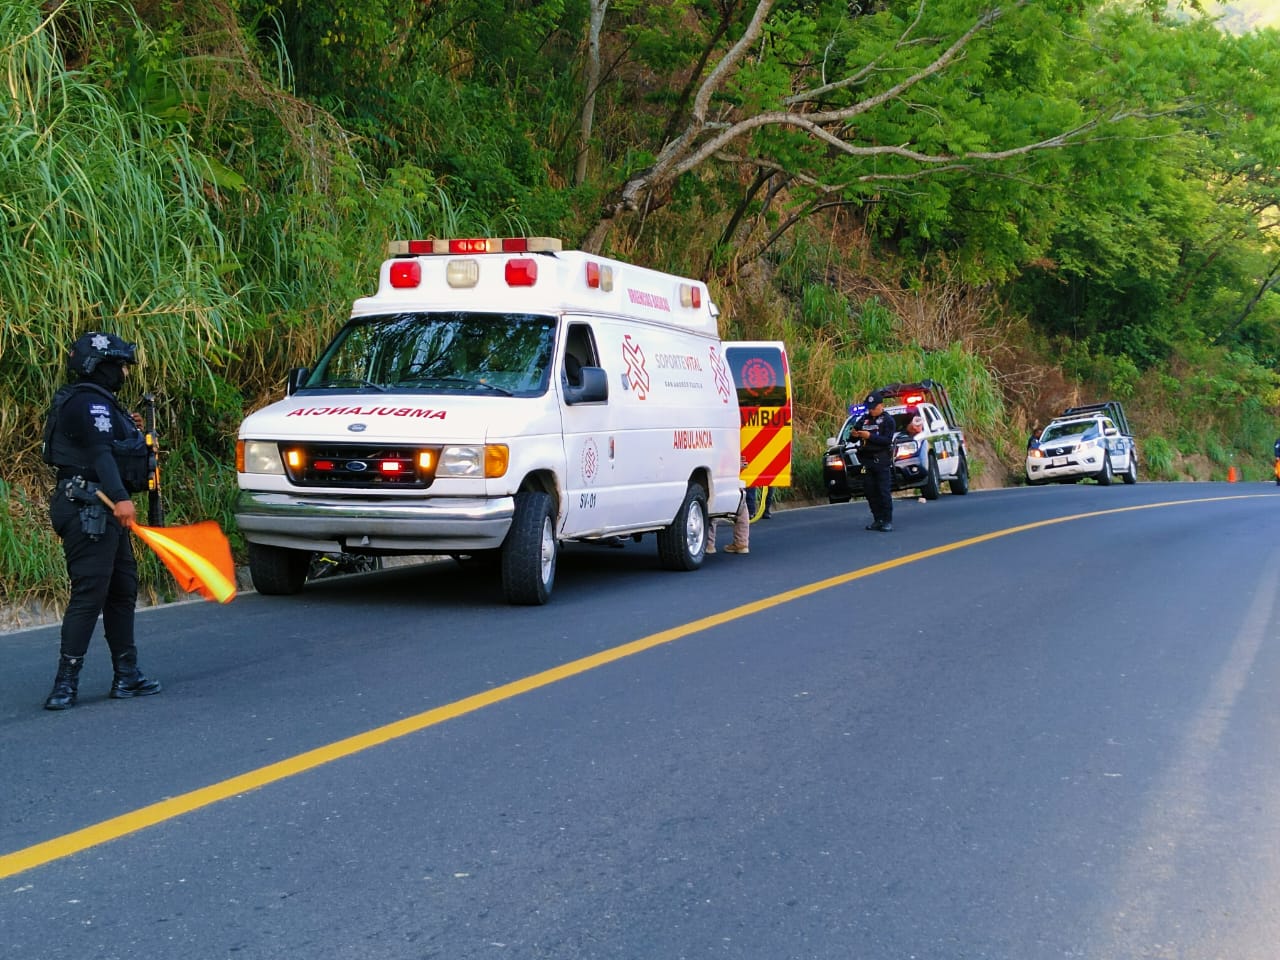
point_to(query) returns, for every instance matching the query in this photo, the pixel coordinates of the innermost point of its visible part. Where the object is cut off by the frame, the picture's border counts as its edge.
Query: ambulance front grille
(357, 466)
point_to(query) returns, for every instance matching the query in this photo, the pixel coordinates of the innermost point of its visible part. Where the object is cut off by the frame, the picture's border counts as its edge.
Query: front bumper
(374, 525)
(850, 481)
(1072, 465)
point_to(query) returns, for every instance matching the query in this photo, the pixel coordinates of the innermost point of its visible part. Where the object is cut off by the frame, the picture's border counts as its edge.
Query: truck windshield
(507, 354)
(1056, 431)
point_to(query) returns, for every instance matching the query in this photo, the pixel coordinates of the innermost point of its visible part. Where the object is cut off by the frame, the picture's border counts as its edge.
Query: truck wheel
(278, 571)
(932, 488)
(1105, 475)
(683, 544)
(529, 552)
(1131, 475)
(960, 485)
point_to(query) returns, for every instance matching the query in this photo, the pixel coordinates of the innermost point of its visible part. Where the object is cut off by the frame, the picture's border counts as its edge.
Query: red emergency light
(406, 274)
(522, 272)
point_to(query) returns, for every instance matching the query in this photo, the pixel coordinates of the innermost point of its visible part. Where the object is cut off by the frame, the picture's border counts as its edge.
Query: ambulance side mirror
(296, 377)
(593, 389)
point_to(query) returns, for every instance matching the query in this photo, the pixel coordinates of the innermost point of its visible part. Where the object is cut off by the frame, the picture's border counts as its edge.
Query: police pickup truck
(928, 449)
(1093, 441)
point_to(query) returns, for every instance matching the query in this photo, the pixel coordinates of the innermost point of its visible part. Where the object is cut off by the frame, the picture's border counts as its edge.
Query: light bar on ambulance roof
(690, 295)
(465, 245)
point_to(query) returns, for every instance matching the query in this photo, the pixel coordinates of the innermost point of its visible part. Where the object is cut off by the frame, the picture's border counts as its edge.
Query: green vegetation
(1037, 204)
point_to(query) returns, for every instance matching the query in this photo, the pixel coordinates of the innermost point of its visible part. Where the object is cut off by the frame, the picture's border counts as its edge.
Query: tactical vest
(132, 455)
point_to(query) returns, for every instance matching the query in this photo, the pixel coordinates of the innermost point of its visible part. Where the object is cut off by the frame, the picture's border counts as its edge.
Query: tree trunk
(598, 8)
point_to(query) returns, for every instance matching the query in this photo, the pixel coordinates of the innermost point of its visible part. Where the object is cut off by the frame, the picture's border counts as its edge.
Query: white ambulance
(495, 398)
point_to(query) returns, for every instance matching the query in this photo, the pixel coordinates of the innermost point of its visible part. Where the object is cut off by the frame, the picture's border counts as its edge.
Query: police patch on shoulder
(101, 417)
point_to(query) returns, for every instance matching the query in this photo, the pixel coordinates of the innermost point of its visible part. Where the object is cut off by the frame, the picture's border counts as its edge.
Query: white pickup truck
(1088, 442)
(928, 450)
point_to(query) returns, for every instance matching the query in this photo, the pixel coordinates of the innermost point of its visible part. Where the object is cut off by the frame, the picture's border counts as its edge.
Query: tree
(842, 107)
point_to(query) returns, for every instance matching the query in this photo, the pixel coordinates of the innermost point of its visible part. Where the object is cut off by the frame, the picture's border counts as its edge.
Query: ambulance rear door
(762, 376)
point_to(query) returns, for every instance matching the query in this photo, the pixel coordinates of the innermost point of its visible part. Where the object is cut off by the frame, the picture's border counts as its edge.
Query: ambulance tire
(278, 571)
(529, 552)
(683, 544)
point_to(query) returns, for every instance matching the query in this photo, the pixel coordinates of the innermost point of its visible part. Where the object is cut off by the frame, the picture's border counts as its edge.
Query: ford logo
(356, 427)
(357, 466)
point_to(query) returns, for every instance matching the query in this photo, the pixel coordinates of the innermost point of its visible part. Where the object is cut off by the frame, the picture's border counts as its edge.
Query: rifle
(155, 505)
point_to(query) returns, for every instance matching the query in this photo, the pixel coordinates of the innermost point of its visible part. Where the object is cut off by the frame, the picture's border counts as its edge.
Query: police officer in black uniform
(96, 444)
(875, 429)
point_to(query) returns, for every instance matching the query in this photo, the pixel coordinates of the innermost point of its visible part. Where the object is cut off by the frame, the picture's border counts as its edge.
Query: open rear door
(763, 379)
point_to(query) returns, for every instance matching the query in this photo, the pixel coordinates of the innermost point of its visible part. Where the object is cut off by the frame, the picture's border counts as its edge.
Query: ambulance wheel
(932, 488)
(960, 485)
(529, 552)
(278, 571)
(683, 544)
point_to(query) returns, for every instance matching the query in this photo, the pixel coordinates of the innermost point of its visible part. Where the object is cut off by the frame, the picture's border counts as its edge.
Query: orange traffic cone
(1232, 474)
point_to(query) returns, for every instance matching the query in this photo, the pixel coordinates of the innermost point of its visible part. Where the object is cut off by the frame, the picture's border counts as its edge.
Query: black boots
(129, 680)
(65, 684)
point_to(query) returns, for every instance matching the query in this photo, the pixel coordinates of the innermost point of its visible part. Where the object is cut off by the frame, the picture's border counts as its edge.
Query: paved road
(960, 740)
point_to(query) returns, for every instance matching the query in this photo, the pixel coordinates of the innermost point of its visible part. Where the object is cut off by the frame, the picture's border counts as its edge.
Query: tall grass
(122, 219)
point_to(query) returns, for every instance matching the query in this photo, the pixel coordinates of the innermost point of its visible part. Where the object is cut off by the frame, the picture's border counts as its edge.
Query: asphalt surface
(984, 735)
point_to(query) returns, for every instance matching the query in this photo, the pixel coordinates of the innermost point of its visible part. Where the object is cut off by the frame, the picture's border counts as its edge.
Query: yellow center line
(156, 813)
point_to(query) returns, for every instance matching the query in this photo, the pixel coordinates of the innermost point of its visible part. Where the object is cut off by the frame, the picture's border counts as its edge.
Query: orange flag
(198, 555)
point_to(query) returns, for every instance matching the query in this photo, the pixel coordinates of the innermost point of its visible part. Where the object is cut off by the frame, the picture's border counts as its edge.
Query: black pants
(878, 487)
(104, 580)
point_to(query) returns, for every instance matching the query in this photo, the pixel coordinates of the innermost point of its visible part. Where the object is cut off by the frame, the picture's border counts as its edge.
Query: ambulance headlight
(488, 460)
(259, 456)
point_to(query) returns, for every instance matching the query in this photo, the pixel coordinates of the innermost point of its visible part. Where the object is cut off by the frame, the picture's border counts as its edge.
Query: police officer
(875, 429)
(96, 444)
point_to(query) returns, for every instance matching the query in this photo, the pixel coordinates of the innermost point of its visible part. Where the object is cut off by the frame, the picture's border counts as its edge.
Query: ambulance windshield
(508, 354)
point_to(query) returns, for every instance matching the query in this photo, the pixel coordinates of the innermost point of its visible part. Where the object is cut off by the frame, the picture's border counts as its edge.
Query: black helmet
(92, 348)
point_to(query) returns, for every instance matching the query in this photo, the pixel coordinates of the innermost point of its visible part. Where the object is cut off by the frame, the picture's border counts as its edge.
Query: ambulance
(492, 400)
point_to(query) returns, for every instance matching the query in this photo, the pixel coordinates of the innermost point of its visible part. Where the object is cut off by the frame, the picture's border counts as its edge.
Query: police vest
(132, 455)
